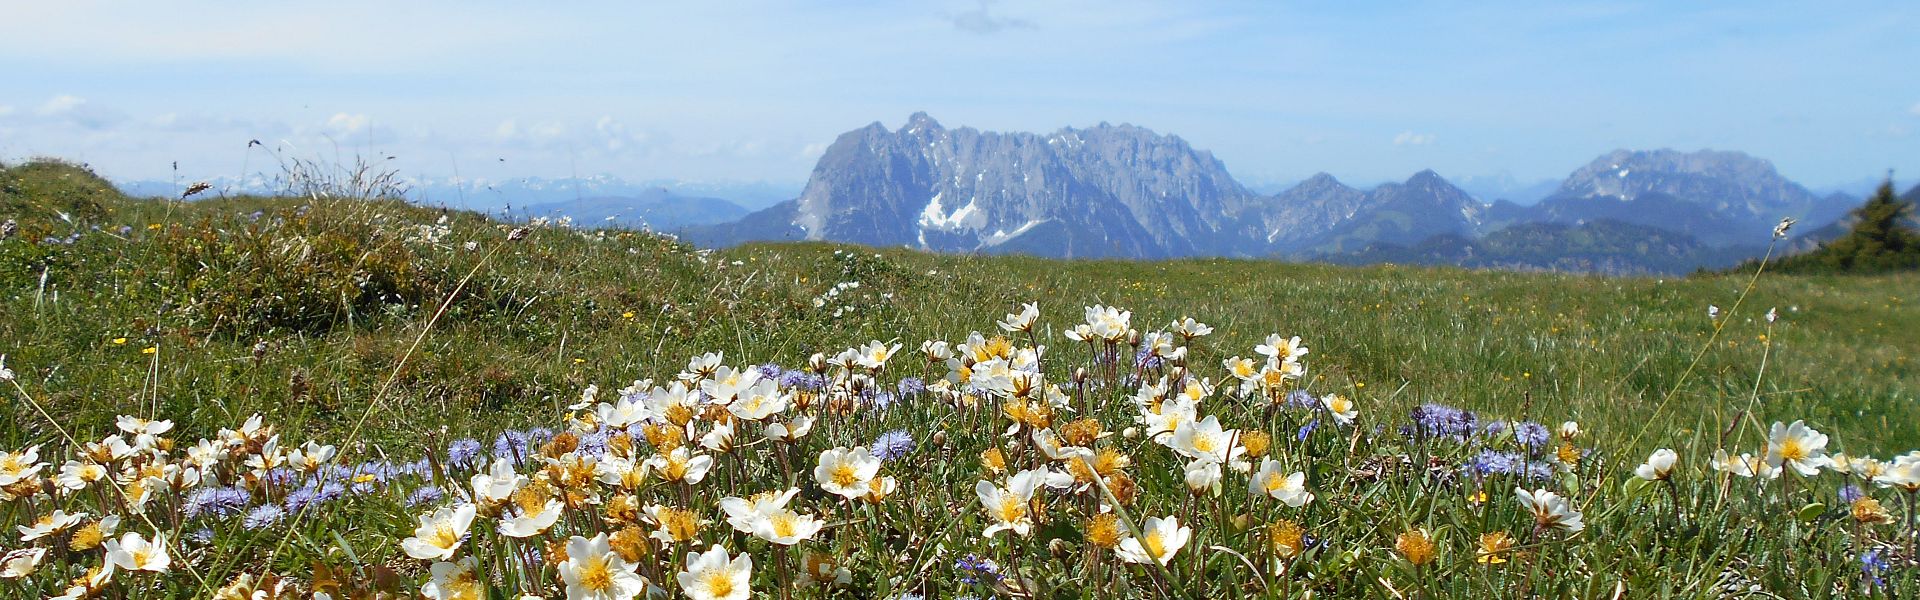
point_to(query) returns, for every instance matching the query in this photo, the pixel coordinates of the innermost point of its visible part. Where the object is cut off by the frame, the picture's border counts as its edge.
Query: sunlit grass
(303, 311)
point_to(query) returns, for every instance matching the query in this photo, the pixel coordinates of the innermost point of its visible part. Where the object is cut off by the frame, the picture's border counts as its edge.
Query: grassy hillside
(336, 291)
(307, 311)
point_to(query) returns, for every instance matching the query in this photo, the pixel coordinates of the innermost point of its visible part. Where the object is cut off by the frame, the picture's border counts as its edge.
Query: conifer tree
(1881, 239)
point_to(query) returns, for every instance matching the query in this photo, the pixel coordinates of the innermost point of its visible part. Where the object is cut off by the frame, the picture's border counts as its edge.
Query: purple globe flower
(912, 386)
(423, 496)
(463, 453)
(893, 445)
(1439, 420)
(1850, 493)
(1531, 435)
(215, 502)
(263, 516)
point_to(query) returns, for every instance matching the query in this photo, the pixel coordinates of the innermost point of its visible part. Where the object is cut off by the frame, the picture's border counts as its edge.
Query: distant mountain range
(1125, 191)
(656, 209)
(592, 201)
(524, 193)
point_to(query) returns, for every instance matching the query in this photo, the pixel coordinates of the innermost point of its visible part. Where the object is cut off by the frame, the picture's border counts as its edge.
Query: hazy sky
(755, 91)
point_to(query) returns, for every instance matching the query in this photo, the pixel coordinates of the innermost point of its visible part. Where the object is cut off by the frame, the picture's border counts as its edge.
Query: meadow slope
(307, 311)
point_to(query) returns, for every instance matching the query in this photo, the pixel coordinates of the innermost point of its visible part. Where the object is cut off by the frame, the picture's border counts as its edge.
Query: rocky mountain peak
(1122, 190)
(921, 121)
(1429, 180)
(1321, 180)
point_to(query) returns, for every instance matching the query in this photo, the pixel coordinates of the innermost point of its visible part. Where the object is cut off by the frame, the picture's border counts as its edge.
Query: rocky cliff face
(1116, 190)
(1125, 191)
(1719, 197)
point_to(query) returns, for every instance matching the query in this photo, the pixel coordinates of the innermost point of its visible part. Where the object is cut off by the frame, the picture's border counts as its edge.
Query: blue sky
(755, 91)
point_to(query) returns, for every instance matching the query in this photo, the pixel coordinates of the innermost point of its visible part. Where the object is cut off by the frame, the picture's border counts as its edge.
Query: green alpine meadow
(337, 394)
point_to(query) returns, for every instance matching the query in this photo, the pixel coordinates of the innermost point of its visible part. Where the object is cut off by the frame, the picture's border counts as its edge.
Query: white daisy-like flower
(1550, 510)
(713, 576)
(1659, 466)
(1159, 540)
(438, 536)
(845, 472)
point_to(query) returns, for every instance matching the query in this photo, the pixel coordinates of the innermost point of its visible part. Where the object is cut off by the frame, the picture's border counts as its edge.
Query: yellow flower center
(1012, 508)
(783, 524)
(844, 476)
(1155, 545)
(464, 588)
(1793, 449)
(143, 556)
(679, 414)
(444, 536)
(87, 538)
(719, 583)
(680, 524)
(1275, 482)
(675, 470)
(1203, 443)
(595, 575)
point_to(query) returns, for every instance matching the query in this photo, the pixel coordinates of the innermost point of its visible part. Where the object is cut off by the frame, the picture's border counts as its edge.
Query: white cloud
(5, 110)
(1409, 138)
(343, 123)
(1913, 110)
(812, 151)
(614, 136)
(61, 104)
(77, 111)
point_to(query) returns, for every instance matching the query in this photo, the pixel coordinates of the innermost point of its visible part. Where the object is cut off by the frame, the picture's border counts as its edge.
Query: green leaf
(1812, 511)
(1635, 486)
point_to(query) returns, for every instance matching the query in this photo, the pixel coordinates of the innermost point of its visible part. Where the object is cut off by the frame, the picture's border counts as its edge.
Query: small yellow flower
(150, 350)
(994, 461)
(1492, 548)
(1081, 432)
(1104, 530)
(1287, 537)
(626, 315)
(1416, 545)
(1868, 511)
(675, 525)
(1568, 455)
(1256, 443)
(1479, 497)
(630, 543)
(87, 537)
(579, 361)
(119, 340)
